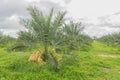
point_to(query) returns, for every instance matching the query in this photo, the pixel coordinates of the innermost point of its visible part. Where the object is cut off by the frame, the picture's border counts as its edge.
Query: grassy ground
(83, 65)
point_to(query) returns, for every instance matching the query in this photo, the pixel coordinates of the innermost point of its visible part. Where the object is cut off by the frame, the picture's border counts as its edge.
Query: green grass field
(86, 64)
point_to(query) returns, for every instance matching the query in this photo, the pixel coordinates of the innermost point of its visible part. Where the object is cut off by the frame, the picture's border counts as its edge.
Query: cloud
(11, 22)
(98, 17)
(92, 8)
(46, 6)
(11, 32)
(99, 31)
(102, 25)
(12, 10)
(110, 20)
(10, 7)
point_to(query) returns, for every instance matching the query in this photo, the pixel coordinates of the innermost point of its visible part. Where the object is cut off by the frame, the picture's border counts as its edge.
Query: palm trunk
(45, 54)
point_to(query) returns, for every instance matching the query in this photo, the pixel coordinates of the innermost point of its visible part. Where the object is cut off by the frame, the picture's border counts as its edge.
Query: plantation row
(111, 39)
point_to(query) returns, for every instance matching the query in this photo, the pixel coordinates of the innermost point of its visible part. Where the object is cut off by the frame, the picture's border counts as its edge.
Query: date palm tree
(44, 27)
(72, 33)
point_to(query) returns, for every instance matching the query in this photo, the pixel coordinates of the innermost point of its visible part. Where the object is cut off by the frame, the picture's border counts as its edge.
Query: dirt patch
(109, 55)
(106, 70)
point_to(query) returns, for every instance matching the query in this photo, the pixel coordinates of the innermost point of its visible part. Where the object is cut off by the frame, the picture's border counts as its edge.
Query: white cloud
(93, 8)
(10, 32)
(100, 31)
(97, 15)
(13, 18)
(30, 1)
(61, 2)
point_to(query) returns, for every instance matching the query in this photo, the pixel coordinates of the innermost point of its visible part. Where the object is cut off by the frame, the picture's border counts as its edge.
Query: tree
(45, 27)
(1, 33)
(72, 32)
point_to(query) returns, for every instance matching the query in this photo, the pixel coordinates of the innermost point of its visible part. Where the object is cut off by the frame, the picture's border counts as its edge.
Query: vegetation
(50, 31)
(67, 53)
(6, 40)
(81, 65)
(111, 39)
(44, 28)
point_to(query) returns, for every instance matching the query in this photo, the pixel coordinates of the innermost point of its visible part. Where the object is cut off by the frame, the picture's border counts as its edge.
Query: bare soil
(109, 55)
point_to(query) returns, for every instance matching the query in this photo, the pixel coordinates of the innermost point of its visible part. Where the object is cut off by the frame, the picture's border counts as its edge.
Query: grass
(81, 65)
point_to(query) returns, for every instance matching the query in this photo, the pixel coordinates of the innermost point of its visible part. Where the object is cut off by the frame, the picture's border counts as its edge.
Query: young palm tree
(44, 26)
(72, 33)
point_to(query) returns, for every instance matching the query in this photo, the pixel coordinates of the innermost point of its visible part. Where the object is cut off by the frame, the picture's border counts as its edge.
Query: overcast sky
(99, 17)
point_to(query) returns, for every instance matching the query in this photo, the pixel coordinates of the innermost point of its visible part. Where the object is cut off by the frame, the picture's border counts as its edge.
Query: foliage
(85, 40)
(6, 40)
(27, 37)
(72, 33)
(24, 41)
(73, 36)
(111, 39)
(50, 31)
(19, 46)
(44, 27)
(1, 33)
